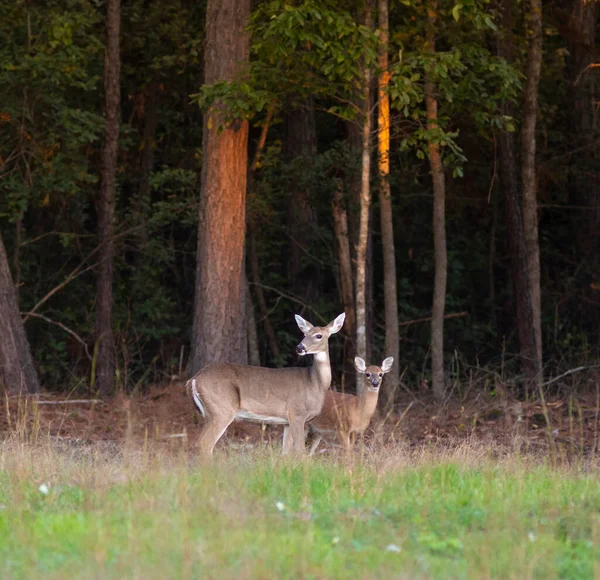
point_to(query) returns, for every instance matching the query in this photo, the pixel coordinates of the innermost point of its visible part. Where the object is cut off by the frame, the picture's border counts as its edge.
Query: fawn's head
(316, 337)
(373, 374)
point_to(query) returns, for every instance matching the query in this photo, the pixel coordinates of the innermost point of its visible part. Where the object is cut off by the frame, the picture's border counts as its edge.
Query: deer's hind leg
(221, 407)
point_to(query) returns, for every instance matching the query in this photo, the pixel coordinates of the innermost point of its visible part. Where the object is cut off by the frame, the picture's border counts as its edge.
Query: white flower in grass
(44, 489)
(280, 505)
(392, 548)
(531, 536)
(335, 540)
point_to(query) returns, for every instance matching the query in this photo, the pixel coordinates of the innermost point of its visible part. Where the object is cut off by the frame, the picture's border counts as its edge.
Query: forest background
(177, 179)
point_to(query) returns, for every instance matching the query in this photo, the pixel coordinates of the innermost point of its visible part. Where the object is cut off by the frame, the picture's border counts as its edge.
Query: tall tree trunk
(584, 121)
(514, 220)
(392, 337)
(439, 222)
(219, 332)
(528, 169)
(340, 224)
(105, 366)
(17, 373)
(300, 144)
(365, 206)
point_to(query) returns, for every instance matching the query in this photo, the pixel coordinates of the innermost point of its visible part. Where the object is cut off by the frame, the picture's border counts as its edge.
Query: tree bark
(439, 222)
(392, 336)
(514, 221)
(528, 170)
(365, 206)
(17, 372)
(219, 332)
(105, 366)
(340, 224)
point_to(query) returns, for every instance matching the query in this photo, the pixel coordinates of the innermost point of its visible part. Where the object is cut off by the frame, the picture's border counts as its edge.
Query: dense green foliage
(255, 515)
(51, 116)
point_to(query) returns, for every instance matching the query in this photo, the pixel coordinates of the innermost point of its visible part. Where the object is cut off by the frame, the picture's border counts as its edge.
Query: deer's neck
(320, 372)
(367, 404)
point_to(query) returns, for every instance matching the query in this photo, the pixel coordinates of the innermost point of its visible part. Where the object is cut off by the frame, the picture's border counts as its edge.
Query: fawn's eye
(380, 375)
(367, 375)
(319, 336)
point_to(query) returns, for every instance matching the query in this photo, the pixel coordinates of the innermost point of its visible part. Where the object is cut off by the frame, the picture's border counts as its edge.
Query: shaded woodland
(178, 178)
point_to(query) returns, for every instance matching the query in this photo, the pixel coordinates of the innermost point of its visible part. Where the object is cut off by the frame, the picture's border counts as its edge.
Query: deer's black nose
(301, 349)
(375, 382)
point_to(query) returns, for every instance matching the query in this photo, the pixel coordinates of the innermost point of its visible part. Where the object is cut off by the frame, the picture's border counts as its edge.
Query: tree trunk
(514, 221)
(17, 373)
(105, 366)
(439, 223)
(300, 145)
(392, 337)
(219, 332)
(584, 121)
(528, 169)
(340, 224)
(365, 206)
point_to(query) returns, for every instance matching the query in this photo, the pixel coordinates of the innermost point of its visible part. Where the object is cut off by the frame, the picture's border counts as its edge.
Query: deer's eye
(319, 336)
(380, 375)
(367, 375)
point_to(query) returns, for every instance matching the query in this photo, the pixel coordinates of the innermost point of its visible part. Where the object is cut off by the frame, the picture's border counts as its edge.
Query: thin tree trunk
(17, 372)
(105, 366)
(528, 170)
(219, 332)
(260, 295)
(514, 220)
(340, 224)
(365, 206)
(254, 267)
(439, 223)
(392, 336)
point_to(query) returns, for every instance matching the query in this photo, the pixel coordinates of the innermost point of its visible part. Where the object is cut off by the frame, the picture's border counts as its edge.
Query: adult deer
(289, 396)
(349, 414)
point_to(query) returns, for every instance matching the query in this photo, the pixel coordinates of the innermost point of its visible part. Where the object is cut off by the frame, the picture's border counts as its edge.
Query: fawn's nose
(375, 382)
(301, 349)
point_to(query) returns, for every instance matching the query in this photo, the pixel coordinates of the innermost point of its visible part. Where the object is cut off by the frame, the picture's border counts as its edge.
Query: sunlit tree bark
(439, 221)
(392, 338)
(219, 332)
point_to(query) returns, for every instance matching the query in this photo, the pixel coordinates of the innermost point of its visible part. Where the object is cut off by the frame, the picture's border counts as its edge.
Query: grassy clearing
(148, 513)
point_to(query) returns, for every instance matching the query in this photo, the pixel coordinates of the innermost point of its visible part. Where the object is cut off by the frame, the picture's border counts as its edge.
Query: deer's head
(316, 337)
(373, 374)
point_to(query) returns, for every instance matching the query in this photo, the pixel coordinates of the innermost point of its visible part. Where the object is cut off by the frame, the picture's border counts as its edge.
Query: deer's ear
(336, 325)
(359, 364)
(304, 325)
(387, 364)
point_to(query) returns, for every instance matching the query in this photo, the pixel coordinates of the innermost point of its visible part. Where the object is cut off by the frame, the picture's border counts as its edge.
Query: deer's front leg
(294, 437)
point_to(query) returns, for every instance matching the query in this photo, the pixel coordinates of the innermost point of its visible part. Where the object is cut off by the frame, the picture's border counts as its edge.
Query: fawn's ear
(304, 325)
(336, 325)
(387, 364)
(359, 364)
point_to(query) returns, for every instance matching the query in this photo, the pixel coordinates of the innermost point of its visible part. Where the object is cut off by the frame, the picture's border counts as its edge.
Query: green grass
(154, 514)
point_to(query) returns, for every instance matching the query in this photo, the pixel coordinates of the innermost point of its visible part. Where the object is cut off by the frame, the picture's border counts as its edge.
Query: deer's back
(259, 393)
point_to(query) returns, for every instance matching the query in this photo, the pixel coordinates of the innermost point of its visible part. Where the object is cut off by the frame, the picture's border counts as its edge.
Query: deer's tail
(196, 397)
